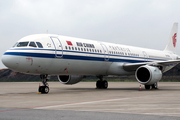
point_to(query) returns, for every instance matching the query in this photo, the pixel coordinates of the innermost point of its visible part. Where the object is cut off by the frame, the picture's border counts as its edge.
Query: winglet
(171, 46)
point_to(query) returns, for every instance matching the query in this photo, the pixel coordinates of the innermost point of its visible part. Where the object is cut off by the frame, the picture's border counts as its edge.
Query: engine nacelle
(70, 79)
(148, 75)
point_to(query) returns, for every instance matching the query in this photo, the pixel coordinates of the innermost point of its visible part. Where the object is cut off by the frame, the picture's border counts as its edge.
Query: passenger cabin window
(22, 44)
(32, 44)
(39, 44)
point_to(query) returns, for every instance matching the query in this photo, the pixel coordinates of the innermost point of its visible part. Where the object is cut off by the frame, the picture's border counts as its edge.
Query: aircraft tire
(98, 84)
(44, 89)
(104, 84)
(40, 89)
(155, 86)
(101, 84)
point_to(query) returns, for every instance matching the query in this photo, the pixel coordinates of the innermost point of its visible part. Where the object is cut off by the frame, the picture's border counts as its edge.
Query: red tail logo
(174, 39)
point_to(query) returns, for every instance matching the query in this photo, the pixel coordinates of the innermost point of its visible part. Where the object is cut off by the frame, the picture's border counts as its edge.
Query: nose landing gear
(44, 89)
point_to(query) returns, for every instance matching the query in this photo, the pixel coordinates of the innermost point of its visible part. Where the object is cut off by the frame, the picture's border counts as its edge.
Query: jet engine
(148, 75)
(70, 79)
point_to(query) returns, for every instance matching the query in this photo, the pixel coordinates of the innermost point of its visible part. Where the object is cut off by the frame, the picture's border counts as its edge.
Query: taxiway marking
(79, 103)
(90, 102)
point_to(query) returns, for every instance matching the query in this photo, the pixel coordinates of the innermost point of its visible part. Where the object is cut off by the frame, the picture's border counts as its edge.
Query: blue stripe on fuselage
(75, 57)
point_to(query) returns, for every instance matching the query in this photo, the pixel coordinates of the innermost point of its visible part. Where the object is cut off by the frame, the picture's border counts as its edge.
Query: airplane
(71, 59)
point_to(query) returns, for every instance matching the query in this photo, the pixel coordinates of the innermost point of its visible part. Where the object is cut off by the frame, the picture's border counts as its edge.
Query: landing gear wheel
(40, 88)
(155, 86)
(101, 84)
(147, 87)
(98, 84)
(104, 84)
(44, 89)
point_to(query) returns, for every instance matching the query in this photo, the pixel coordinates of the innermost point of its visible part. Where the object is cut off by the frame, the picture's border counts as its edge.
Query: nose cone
(10, 61)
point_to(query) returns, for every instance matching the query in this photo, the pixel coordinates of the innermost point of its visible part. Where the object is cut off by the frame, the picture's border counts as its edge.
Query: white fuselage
(62, 55)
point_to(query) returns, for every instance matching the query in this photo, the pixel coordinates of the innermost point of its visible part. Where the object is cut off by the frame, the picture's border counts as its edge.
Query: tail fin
(171, 46)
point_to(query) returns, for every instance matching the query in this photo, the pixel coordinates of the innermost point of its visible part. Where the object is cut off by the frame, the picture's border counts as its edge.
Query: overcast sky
(142, 23)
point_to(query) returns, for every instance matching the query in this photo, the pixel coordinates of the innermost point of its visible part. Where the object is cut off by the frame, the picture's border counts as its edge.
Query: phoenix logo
(174, 39)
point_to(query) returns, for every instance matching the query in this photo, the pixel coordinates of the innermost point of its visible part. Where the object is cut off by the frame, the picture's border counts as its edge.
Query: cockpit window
(22, 44)
(32, 44)
(15, 44)
(39, 44)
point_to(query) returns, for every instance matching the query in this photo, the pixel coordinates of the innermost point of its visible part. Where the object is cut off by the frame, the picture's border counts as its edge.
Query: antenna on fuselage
(47, 32)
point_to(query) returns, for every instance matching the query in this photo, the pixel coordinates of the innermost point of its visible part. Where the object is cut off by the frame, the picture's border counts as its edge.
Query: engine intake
(70, 79)
(148, 75)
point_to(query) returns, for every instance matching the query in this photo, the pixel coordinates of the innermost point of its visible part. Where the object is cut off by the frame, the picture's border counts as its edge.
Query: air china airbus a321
(73, 58)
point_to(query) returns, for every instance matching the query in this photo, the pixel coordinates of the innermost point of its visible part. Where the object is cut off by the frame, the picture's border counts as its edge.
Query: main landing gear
(154, 86)
(101, 84)
(44, 89)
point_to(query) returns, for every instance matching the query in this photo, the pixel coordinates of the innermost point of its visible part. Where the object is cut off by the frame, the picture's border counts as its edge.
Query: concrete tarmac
(122, 100)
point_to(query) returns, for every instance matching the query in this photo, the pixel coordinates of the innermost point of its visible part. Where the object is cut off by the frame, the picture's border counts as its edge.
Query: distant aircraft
(73, 58)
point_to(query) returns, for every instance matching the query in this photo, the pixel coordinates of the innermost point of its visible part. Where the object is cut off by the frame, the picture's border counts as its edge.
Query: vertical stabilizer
(171, 46)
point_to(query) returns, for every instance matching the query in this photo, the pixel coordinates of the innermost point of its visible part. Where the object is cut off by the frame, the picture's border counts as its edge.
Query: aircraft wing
(134, 66)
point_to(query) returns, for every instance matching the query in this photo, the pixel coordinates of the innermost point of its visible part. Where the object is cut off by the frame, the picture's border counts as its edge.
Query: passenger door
(58, 47)
(145, 56)
(106, 52)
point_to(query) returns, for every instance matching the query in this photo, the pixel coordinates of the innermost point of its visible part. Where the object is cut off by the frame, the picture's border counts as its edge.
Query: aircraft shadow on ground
(133, 89)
